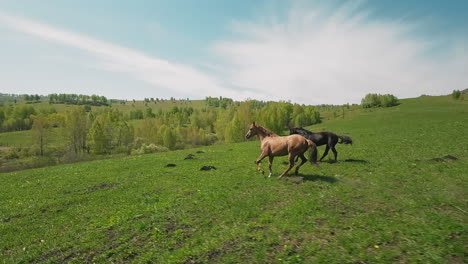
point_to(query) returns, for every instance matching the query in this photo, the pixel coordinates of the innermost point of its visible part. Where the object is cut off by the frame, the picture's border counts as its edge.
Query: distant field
(16, 138)
(396, 200)
(24, 138)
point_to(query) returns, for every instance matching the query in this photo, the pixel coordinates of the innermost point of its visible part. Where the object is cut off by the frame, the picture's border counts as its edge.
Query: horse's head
(253, 130)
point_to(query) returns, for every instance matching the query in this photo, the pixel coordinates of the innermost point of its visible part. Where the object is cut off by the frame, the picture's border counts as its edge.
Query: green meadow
(397, 195)
(16, 138)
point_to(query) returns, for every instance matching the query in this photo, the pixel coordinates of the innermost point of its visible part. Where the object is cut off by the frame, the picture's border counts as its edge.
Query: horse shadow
(347, 161)
(312, 177)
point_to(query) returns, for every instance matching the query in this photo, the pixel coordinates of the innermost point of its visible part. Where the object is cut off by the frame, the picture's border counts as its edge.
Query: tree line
(110, 131)
(78, 99)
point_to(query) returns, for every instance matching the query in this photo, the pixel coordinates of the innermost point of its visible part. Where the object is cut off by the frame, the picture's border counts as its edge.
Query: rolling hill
(397, 195)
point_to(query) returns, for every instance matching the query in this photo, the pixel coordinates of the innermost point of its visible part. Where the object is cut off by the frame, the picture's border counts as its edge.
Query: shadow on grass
(356, 161)
(323, 178)
(313, 177)
(347, 161)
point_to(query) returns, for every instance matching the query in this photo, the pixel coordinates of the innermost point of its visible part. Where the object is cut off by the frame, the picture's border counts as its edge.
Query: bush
(456, 94)
(378, 100)
(12, 154)
(149, 148)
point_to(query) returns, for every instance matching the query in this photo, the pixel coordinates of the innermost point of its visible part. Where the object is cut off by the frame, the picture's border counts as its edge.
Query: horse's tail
(345, 140)
(313, 153)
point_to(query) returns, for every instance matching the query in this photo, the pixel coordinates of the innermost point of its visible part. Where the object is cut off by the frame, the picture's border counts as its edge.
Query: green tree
(169, 136)
(99, 138)
(378, 100)
(76, 128)
(149, 113)
(110, 133)
(223, 120)
(235, 131)
(301, 120)
(456, 94)
(2, 116)
(40, 132)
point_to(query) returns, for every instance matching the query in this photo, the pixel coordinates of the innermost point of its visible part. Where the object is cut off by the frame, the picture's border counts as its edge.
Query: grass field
(393, 204)
(24, 138)
(16, 138)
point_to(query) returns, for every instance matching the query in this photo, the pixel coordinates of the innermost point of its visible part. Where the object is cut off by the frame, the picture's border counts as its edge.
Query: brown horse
(273, 145)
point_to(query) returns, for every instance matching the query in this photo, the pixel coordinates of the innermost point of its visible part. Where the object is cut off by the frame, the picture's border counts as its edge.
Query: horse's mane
(267, 132)
(302, 131)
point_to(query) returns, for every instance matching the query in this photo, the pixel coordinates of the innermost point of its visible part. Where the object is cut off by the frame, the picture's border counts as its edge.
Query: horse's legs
(332, 143)
(259, 160)
(325, 153)
(304, 160)
(269, 165)
(291, 164)
(335, 153)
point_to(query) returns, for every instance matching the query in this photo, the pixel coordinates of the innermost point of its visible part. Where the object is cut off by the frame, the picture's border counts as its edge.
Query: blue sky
(310, 52)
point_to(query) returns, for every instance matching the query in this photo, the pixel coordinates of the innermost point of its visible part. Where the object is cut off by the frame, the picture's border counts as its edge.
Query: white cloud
(314, 55)
(323, 55)
(181, 79)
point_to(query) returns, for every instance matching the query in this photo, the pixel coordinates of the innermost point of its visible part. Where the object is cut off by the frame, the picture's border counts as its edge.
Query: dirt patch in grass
(87, 256)
(189, 156)
(320, 222)
(5, 149)
(138, 217)
(295, 180)
(11, 218)
(62, 256)
(93, 188)
(101, 186)
(441, 159)
(455, 260)
(450, 157)
(207, 168)
(228, 247)
(47, 256)
(356, 161)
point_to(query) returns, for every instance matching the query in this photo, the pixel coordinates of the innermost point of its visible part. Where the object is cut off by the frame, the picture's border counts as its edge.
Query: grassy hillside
(393, 204)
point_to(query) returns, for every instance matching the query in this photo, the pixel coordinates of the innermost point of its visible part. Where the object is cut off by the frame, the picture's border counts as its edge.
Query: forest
(70, 127)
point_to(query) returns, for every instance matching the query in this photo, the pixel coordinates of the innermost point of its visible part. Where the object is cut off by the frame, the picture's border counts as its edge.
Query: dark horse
(322, 138)
(273, 145)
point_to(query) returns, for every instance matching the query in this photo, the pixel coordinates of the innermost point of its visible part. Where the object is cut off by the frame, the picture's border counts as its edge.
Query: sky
(307, 52)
